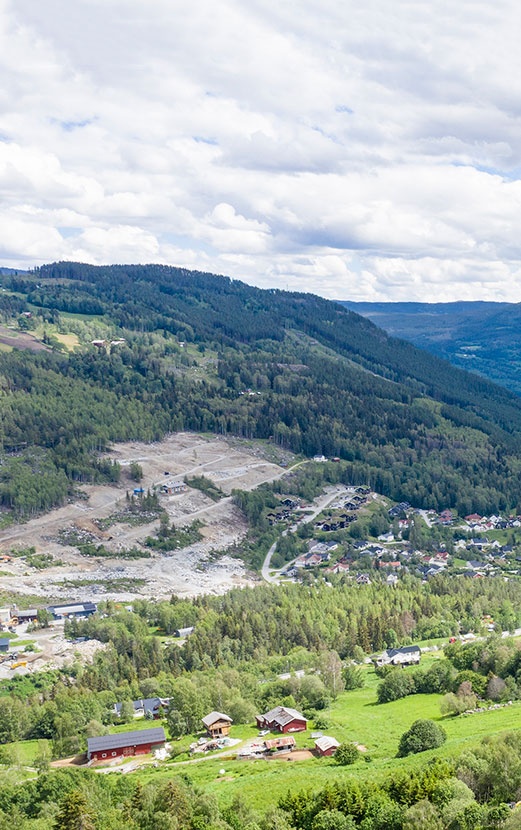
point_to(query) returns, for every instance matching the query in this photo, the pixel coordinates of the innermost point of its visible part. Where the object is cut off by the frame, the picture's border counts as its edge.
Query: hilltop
(135, 352)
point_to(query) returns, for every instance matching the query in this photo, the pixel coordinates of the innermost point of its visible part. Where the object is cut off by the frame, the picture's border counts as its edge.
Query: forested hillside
(203, 352)
(478, 336)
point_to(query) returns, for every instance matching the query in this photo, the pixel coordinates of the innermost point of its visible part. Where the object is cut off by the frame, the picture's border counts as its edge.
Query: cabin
(125, 744)
(282, 719)
(326, 746)
(76, 609)
(406, 656)
(217, 725)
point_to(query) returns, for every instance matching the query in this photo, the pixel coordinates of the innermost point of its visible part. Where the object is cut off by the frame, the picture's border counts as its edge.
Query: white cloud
(363, 151)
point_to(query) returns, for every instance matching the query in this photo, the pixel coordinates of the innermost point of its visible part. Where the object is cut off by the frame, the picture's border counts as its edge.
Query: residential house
(406, 656)
(148, 707)
(283, 719)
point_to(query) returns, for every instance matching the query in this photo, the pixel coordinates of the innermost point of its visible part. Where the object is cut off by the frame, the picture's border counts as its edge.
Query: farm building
(76, 609)
(326, 746)
(283, 719)
(286, 743)
(4, 643)
(125, 744)
(146, 707)
(407, 656)
(217, 724)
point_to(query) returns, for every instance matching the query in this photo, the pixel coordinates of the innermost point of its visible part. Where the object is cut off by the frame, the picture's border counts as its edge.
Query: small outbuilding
(326, 746)
(4, 644)
(217, 725)
(286, 743)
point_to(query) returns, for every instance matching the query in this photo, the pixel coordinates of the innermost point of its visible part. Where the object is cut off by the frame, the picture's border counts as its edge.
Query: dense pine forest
(298, 369)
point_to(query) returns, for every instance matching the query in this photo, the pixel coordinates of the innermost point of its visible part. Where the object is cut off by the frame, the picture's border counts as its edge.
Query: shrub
(456, 704)
(346, 753)
(423, 734)
(396, 685)
(353, 677)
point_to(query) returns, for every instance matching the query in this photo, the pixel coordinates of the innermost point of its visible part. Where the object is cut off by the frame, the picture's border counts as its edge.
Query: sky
(360, 150)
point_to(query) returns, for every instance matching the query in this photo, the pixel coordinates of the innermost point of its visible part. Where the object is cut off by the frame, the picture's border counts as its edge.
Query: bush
(353, 677)
(423, 735)
(396, 685)
(346, 753)
(456, 704)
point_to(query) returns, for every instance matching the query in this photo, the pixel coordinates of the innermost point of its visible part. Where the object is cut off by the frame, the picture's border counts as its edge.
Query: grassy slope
(354, 716)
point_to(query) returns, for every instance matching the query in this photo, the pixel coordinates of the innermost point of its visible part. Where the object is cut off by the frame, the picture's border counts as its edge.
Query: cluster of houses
(104, 344)
(283, 514)
(281, 719)
(479, 523)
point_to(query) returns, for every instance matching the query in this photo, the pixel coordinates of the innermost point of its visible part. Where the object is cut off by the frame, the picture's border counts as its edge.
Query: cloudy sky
(361, 150)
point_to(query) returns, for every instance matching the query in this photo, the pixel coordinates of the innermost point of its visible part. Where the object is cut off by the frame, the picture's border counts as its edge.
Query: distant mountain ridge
(482, 337)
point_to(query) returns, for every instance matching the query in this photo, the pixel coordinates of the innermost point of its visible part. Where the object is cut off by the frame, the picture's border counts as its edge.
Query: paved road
(425, 517)
(318, 508)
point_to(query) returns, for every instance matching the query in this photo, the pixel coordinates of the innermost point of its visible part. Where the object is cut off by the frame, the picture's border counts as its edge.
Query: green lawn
(354, 716)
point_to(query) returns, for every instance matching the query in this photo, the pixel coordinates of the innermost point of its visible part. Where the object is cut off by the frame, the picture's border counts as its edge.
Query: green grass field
(354, 716)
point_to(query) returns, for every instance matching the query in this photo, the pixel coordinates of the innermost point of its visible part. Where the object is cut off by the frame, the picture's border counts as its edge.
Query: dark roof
(392, 652)
(148, 704)
(134, 738)
(74, 608)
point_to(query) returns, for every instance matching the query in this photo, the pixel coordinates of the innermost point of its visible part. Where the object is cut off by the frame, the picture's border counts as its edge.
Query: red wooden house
(283, 719)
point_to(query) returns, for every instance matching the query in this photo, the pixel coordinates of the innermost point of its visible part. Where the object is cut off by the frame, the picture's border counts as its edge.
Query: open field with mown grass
(354, 716)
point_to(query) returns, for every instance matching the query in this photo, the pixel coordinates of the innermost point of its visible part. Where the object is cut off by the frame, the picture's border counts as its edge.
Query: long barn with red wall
(124, 744)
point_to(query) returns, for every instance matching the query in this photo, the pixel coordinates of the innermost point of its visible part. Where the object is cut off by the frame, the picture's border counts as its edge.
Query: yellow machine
(19, 663)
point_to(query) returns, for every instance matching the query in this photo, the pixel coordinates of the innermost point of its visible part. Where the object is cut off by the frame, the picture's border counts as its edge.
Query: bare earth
(187, 572)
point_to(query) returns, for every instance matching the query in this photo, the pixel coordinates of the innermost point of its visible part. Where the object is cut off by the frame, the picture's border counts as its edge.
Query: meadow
(354, 716)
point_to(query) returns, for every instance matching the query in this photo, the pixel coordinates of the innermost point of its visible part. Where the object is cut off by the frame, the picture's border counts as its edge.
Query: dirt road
(188, 572)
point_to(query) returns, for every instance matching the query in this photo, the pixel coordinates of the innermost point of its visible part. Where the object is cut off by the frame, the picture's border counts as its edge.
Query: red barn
(283, 719)
(123, 744)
